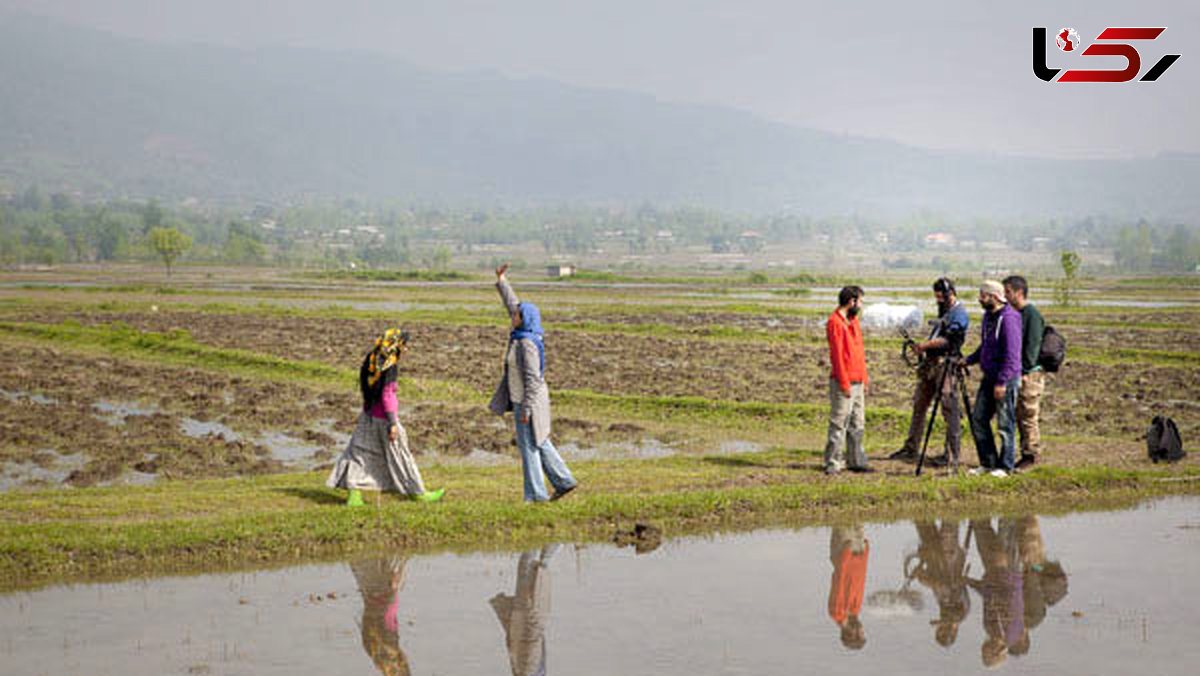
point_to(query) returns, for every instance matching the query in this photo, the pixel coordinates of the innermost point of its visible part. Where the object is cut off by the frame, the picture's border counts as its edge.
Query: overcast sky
(936, 74)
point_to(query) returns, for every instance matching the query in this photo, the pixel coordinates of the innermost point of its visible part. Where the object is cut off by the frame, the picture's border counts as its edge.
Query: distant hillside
(115, 116)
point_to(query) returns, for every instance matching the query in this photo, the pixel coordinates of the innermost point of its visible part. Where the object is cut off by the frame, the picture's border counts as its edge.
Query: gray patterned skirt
(372, 462)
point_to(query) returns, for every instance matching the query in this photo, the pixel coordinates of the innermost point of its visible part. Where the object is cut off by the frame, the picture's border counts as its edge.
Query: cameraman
(939, 353)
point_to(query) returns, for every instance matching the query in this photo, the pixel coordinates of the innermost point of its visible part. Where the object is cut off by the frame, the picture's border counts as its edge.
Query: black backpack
(1054, 350)
(1163, 442)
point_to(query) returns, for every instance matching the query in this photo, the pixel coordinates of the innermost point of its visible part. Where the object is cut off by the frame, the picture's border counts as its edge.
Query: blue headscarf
(531, 328)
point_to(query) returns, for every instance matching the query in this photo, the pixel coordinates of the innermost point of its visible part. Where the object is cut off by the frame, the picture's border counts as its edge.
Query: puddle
(16, 474)
(735, 446)
(196, 428)
(642, 449)
(289, 450)
(1049, 595)
(329, 426)
(115, 412)
(477, 457)
(20, 395)
(132, 477)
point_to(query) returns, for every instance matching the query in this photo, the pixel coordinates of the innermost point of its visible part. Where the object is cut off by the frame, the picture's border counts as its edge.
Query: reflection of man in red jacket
(847, 385)
(848, 551)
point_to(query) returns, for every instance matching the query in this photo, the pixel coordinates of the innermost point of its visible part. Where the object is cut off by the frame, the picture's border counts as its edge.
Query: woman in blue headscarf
(523, 391)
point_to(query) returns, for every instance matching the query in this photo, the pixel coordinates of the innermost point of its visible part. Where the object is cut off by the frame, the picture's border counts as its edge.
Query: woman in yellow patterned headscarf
(379, 366)
(377, 457)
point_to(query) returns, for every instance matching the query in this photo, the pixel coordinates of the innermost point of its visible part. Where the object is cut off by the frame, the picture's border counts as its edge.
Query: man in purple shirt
(999, 358)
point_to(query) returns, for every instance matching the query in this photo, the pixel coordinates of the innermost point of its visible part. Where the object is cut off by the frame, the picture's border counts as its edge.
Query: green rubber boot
(355, 498)
(431, 496)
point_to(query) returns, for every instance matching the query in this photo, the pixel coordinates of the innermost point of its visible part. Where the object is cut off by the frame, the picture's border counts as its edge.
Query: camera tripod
(959, 366)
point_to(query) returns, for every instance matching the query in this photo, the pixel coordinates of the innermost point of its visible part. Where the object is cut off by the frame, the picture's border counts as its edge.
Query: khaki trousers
(847, 422)
(1029, 401)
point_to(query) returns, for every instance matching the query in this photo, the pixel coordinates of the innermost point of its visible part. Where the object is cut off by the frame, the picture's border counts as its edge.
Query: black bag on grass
(1054, 350)
(1162, 440)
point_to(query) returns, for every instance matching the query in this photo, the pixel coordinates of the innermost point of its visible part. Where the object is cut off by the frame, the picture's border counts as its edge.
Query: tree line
(46, 229)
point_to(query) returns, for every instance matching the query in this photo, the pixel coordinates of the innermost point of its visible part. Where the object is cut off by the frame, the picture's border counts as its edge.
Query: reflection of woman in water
(942, 567)
(380, 582)
(848, 551)
(524, 614)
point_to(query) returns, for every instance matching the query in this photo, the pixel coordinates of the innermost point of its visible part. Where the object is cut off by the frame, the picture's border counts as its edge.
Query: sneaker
(998, 473)
(1026, 462)
(430, 496)
(558, 495)
(830, 471)
(863, 470)
(976, 471)
(938, 461)
(903, 454)
(355, 498)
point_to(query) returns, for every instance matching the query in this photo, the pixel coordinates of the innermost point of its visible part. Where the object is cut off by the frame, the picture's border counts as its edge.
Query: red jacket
(847, 355)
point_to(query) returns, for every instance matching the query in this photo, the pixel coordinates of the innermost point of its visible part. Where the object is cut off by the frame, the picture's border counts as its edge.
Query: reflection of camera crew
(938, 353)
(942, 566)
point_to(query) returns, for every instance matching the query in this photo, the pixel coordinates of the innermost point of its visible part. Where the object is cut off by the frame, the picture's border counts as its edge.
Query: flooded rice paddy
(1086, 593)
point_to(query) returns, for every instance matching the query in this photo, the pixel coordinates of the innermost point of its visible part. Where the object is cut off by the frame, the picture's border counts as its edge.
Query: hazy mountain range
(107, 115)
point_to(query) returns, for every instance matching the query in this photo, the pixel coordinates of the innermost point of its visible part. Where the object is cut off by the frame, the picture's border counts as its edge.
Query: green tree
(243, 245)
(1181, 249)
(1064, 289)
(153, 217)
(110, 235)
(439, 259)
(169, 244)
(1135, 248)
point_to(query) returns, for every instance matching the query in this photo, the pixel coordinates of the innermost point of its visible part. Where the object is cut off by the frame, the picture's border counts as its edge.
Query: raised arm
(507, 295)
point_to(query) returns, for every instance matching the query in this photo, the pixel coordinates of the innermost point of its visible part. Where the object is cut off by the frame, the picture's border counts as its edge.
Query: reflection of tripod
(955, 363)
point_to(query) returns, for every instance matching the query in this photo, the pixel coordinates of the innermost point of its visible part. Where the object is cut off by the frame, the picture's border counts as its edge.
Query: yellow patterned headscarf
(386, 353)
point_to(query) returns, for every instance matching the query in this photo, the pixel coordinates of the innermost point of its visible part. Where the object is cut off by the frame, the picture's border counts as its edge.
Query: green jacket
(1031, 337)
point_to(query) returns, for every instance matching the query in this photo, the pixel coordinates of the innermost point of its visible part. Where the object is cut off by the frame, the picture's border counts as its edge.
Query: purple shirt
(999, 354)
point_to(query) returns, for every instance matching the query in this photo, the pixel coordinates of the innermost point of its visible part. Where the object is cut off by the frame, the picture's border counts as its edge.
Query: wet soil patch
(181, 422)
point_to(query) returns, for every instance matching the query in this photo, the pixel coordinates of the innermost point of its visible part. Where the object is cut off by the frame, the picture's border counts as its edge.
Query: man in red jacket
(847, 385)
(848, 550)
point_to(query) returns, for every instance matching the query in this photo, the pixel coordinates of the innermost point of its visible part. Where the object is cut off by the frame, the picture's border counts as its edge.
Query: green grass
(394, 275)
(53, 535)
(1128, 355)
(688, 410)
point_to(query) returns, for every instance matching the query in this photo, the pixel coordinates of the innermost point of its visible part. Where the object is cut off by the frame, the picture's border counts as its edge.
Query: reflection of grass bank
(47, 536)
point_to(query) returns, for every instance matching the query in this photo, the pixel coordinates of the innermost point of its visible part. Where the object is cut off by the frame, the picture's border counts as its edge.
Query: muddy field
(136, 421)
(83, 420)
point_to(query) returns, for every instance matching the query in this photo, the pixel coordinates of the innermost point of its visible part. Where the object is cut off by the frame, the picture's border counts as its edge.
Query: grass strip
(702, 411)
(55, 535)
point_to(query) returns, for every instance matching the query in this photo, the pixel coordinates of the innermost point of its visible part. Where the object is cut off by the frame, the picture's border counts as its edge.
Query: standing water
(1088, 593)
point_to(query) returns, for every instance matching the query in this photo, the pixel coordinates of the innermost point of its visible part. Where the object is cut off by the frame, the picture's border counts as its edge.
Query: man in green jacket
(1029, 398)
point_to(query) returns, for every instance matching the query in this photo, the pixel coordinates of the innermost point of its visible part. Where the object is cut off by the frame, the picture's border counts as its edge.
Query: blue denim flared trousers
(537, 459)
(1005, 411)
